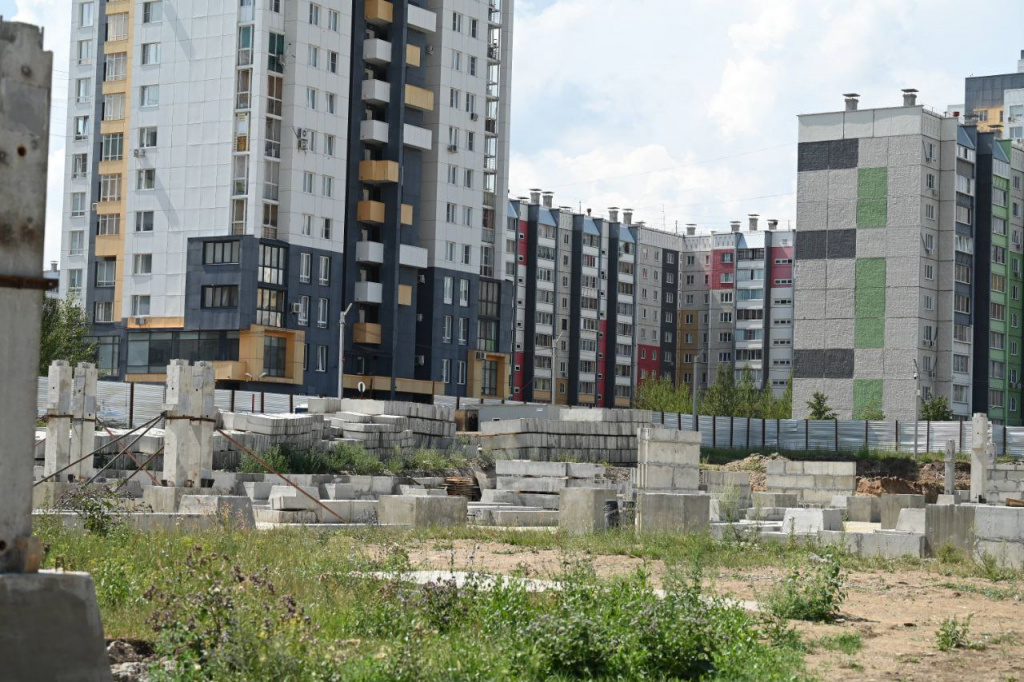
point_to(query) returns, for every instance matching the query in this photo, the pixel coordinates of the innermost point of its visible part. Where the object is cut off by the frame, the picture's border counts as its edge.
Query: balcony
(376, 92)
(370, 252)
(366, 332)
(374, 132)
(371, 212)
(369, 292)
(419, 138)
(412, 55)
(412, 257)
(379, 12)
(378, 172)
(376, 51)
(406, 214)
(419, 98)
(422, 20)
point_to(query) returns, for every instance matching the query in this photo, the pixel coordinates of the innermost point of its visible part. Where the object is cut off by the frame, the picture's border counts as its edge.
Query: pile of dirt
(893, 485)
(756, 464)
(935, 472)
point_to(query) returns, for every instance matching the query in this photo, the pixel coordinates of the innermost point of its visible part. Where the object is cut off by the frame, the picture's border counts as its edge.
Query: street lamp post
(917, 404)
(554, 364)
(696, 360)
(341, 351)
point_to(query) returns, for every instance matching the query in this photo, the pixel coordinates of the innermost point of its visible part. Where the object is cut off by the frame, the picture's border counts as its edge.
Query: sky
(684, 110)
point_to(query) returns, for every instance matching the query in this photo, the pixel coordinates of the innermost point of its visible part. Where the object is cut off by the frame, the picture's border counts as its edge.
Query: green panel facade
(869, 303)
(867, 395)
(872, 193)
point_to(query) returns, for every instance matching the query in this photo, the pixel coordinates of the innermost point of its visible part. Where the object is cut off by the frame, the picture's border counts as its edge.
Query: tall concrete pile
(380, 426)
(593, 435)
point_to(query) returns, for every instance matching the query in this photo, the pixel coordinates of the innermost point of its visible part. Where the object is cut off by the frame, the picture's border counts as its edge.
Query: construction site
(365, 539)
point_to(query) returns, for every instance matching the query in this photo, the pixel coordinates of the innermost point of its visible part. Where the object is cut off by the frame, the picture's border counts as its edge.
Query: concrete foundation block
(349, 511)
(583, 470)
(498, 497)
(911, 520)
(774, 499)
(50, 628)
(804, 521)
(863, 509)
(420, 490)
(287, 498)
(415, 511)
(539, 500)
(888, 545)
(265, 515)
(521, 468)
(890, 506)
(531, 484)
(524, 518)
(582, 510)
(257, 491)
(673, 512)
(165, 500)
(229, 509)
(946, 499)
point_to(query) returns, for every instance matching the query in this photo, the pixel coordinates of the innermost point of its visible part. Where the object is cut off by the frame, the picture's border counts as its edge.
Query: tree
(64, 334)
(719, 399)
(872, 412)
(659, 395)
(782, 407)
(936, 410)
(818, 405)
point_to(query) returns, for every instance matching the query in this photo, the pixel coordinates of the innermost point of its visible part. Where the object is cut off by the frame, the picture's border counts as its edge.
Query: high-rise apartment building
(996, 103)
(636, 303)
(241, 172)
(908, 263)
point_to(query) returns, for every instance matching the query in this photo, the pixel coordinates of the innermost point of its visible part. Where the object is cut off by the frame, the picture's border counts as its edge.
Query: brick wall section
(812, 482)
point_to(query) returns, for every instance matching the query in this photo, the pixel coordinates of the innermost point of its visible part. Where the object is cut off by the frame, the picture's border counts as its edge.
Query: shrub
(101, 509)
(953, 634)
(276, 457)
(354, 459)
(814, 595)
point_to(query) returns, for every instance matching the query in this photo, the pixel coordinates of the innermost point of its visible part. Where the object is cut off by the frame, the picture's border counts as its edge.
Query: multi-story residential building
(996, 103)
(229, 197)
(887, 285)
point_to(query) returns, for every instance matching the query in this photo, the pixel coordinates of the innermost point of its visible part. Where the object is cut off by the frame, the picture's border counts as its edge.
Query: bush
(953, 634)
(276, 457)
(814, 595)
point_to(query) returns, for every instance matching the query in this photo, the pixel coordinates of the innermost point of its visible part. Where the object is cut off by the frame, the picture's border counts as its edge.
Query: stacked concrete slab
(814, 483)
(668, 498)
(381, 426)
(527, 493)
(596, 435)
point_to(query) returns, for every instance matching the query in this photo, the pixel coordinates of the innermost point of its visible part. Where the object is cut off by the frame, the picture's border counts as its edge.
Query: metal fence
(124, 404)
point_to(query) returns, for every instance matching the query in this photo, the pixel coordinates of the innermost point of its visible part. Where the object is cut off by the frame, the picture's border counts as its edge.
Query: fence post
(1005, 451)
(807, 435)
(232, 400)
(897, 435)
(778, 432)
(714, 431)
(131, 405)
(961, 428)
(291, 403)
(662, 418)
(458, 401)
(748, 434)
(837, 434)
(928, 436)
(866, 446)
(764, 426)
(732, 429)
(679, 416)
(263, 402)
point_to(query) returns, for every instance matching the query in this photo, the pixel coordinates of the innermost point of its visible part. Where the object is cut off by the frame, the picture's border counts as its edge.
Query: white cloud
(55, 18)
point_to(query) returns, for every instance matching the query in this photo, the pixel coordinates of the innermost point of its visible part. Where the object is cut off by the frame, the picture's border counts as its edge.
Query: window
(325, 270)
(473, 23)
(104, 312)
(220, 296)
(272, 264)
(998, 255)
(303, 311)
(145, 179)
(998, 312)
(456, 60)
(961, 364)
(929, 211)
(467, 254)
(453, 174)
(275, 6)
(467, 216)
(83, 91)
(454, 98)
(86, 14)
(75, 281)
(323, 308)
(464, 292)
(446, 371)
(472, 66)
(308, 180)
(997, 340)
(314, 14)
(449, 289)
(311, 98)
(105, 271)
(110, 188)
(998, 283)
(331, 103)
(269, 307)
(149, 95)
(452, 213)
(150, 53)
(113, 147)
(469, 178)
(333, 20)
(327, 186)
(275, 352)
(108, 224)
(446, 333)
(998, 369)
(152, 12)
(930, 181)
(325, 228)
(305, 267)
(962, 273)
(329, 145)
(113, 107)
(995, 398)
(147, 137)
(321, 358)
(84, 52)
(313, 56)
(116, 67)
(470, 140)
(463, 331)
(77, 244)
(78, 204)
(460, 367)
(144, 222)
(140, 306)
(449, 252)
(470, 103)
(142, 264)
(998, 225)
(456, 22)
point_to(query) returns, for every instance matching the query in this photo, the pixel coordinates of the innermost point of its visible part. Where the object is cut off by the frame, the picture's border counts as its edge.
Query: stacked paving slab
(381, 426)
(591, 435)
(813, 483)
(527, 492)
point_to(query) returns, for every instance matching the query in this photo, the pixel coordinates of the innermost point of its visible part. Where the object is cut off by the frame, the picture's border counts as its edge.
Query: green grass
(352, 459)
(848, 643)
(725, 455)
(290, 604)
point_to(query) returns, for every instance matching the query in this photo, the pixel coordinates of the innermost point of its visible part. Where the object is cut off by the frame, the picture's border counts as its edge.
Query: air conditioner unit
(302, 133)
(303, 145)
(453, 148)
(141, 321)
(474, 117)
(296, 308)
(420, 360)
(139, 152)
(419, 317)
(480, 355)
(422, 279)
(935, 192)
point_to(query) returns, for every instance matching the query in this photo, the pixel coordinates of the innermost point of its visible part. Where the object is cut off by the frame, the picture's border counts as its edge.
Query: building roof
(626, 234)
(512, 211)
(963, 139)
(544, 217)
(590, 227)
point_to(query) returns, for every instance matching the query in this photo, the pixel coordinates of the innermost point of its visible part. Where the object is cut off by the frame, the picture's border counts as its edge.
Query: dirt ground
(895, 614)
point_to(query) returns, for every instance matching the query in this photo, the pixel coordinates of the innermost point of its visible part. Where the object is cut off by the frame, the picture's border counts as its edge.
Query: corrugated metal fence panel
(821, 435)
(940, 432)
(277, 403)
(1015, 442)
(149, 401)
(851, 436)
(881, 436)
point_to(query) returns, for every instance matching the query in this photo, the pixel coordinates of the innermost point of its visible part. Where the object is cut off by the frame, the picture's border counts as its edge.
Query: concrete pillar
(191, 415)
(950, 478)
(83, 419)
(982, 456)
(58, 419)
